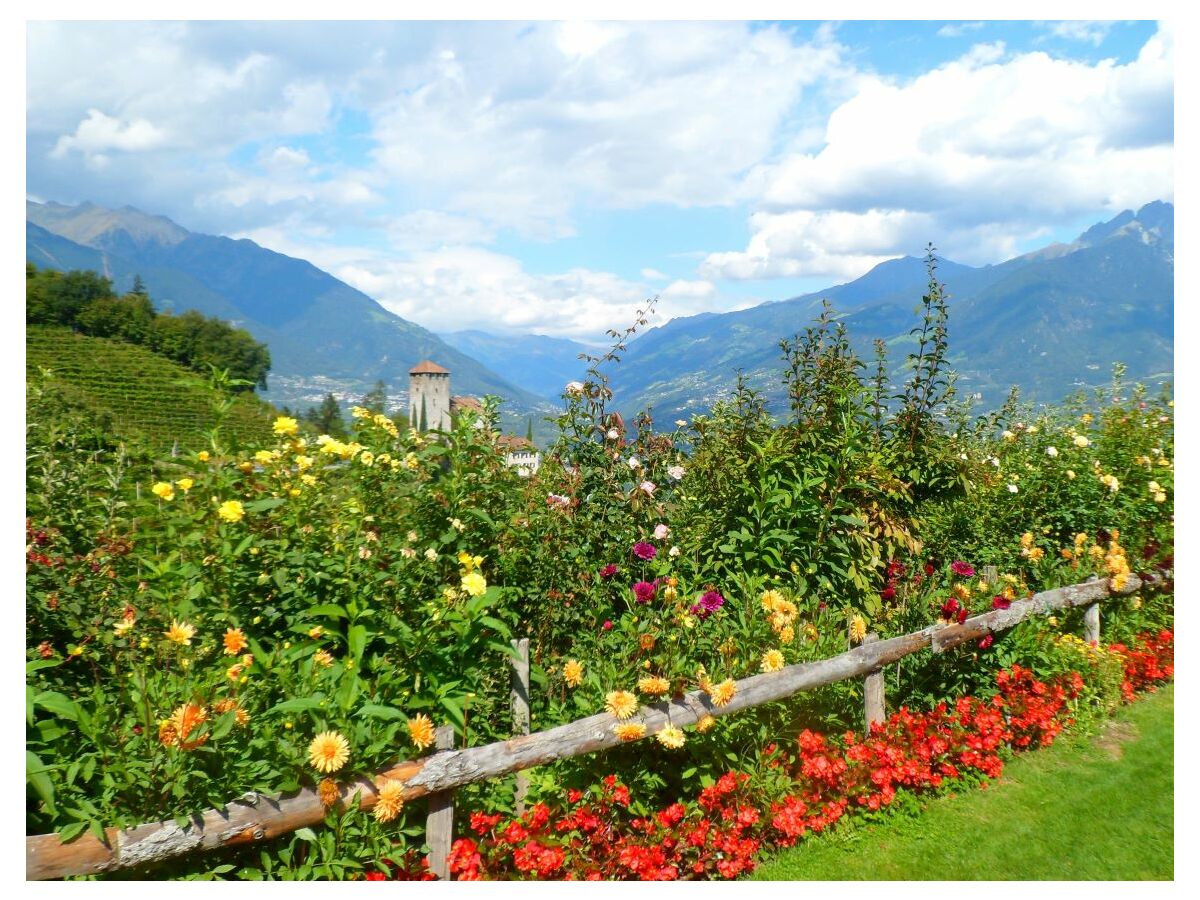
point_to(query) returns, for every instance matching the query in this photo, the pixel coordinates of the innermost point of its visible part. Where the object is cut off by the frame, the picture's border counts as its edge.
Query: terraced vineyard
(138, 393)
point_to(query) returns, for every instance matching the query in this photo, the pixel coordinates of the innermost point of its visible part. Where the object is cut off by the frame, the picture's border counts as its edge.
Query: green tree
(327, 418)
(376, 399)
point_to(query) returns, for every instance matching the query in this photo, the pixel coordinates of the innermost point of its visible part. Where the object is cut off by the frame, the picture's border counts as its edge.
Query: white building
(520, 454)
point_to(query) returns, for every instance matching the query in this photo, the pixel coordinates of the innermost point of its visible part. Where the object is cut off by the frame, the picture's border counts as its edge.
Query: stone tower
(429, 392)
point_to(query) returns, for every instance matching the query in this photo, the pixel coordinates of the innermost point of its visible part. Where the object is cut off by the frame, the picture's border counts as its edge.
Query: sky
(549, 177)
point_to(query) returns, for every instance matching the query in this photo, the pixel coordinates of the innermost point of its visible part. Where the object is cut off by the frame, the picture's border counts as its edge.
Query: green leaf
(329, 609)
(35, 774)
(379, 711)
(69, 832)
(306, 834)
(357, 639)
(58, 704)
(36, 664)
(257, 506)
(298, 704)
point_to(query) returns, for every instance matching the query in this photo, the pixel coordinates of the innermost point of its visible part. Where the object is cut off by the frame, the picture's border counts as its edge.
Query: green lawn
(1098, 807)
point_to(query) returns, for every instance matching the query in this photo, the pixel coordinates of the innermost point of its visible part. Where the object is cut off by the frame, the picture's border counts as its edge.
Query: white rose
(1052, 451)
(634, 462)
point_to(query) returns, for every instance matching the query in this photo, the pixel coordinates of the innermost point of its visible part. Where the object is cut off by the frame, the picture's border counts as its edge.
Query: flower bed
(809, 787)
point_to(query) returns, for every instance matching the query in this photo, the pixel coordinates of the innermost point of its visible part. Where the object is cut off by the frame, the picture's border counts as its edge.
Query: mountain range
(1049, 322)
(323, 334)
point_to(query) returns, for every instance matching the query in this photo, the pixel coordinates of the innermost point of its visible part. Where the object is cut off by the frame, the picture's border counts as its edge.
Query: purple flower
(644, 591)
(608, 571)
(958, 567)
(642, 550)
(709, 604)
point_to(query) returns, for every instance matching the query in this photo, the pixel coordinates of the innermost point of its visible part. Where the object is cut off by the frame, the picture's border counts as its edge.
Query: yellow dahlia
(621, 704)
(671, 737)
(474, 584)
(573, 673)
(390, 800)
(231, 511)
(653, 686)
(858, 629)
(285, 425)
(235, 641)
(328, 751)
(630, 731)
(420, 729)
(163, 490)
(722, 693)
(181, 633)
(705, 724)
(185, 484)
(772, 661)
(771, 599)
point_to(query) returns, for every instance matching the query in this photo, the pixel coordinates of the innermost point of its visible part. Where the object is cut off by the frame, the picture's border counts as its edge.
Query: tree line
(86, 302)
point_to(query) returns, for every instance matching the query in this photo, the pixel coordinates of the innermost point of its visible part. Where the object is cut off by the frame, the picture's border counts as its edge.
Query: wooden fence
(255, 817)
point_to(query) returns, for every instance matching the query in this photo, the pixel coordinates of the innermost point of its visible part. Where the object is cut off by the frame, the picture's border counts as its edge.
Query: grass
(1091, 807)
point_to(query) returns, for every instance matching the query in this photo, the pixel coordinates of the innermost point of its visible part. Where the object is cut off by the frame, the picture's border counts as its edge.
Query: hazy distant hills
(535, 362)
(1049, 321)
(323, 334)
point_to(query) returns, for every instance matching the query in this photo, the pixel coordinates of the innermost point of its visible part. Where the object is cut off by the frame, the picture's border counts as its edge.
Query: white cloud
(615, 115)
(655, 275)
(99, 132)
(468, 287)
(974, 156)
(689, 290)
(1089, 32)
(958, 29)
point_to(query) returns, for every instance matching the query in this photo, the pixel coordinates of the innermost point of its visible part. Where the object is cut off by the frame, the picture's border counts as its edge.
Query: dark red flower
(644, 591)
(1001, 602)
(986, 642)
(642, 550)
(958, 567)
(608, 571)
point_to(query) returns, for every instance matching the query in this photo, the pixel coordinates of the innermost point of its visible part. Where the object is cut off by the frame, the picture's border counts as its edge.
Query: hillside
(323, 334)
(1049, 321)
(136, 394)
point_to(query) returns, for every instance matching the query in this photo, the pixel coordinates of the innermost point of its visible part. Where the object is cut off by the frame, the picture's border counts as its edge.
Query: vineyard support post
(874, 702)
(439, 825)
(1091, 624)
(520, 709)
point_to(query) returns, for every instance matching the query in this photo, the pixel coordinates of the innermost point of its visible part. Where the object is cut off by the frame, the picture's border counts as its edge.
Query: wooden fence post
(1091, 624)
(991, 574)
(439, 825)
(520, 709)
(873, 697)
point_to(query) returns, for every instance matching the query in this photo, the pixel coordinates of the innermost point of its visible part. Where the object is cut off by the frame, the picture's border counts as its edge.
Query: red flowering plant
(604, 833)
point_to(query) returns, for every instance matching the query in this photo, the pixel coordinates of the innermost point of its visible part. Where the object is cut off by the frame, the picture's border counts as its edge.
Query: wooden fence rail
(255, 817)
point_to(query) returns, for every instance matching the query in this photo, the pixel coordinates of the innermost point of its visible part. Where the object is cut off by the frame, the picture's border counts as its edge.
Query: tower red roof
(428, 367)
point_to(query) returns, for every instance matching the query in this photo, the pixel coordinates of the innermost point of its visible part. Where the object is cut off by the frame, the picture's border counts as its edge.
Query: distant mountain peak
(100, 227)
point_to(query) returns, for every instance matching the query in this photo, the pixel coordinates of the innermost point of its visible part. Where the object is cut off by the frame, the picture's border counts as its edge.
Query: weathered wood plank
(255, 817)
(520, 709)
(1091, 624)
(874, 704)
(439, 824)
